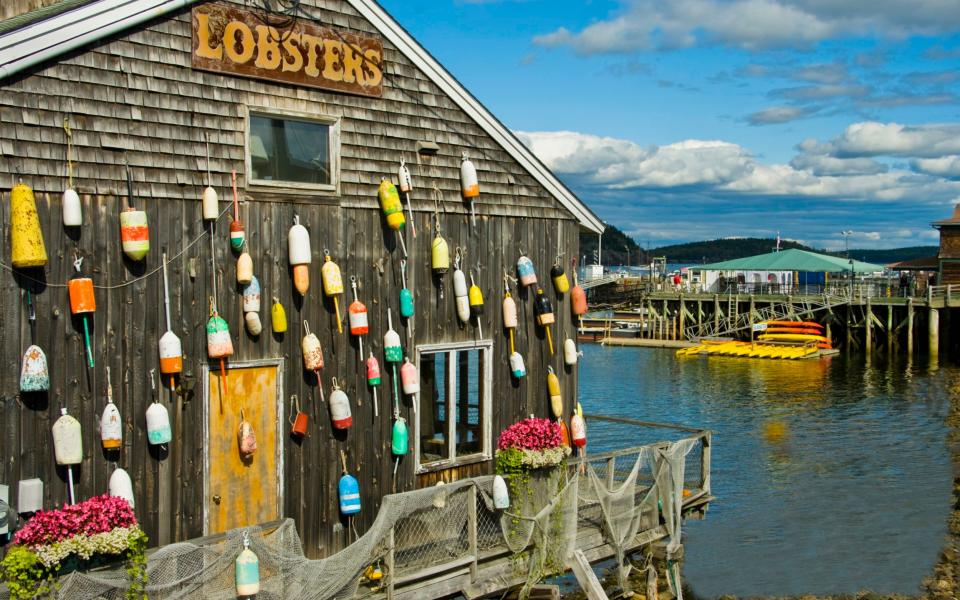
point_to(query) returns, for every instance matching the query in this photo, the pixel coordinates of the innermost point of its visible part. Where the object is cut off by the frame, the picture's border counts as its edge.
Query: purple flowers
(531, 434)
(99, 514)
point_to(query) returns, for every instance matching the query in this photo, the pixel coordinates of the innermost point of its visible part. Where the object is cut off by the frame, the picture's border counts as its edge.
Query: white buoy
(501, 498)
(570, 353)
(158, 424)
(247, 570)
(68, 446)
(122, 487)
(111, 427)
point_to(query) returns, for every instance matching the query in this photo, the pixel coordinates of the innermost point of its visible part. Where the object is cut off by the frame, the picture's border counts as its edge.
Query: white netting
(432, 527)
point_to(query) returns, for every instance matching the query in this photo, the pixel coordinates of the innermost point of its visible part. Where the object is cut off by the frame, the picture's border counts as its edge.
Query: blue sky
(679, 120)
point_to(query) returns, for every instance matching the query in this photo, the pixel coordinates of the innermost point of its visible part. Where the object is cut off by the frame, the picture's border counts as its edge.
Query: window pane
(469, 429)
(433, 408)
(289, 150)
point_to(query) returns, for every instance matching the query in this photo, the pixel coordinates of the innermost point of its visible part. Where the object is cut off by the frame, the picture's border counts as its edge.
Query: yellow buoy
(26, 237)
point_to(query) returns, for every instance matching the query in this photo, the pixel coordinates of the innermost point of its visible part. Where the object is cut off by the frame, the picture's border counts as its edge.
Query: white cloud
(779, 114)
(946, 166)
(893, 139)
(754, 24)
(820, 164)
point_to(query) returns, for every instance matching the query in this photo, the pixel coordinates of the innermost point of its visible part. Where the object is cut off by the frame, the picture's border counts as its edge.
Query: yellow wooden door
(242, 491)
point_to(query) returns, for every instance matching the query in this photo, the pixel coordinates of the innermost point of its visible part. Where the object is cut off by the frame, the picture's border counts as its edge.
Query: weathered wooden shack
(311, 106)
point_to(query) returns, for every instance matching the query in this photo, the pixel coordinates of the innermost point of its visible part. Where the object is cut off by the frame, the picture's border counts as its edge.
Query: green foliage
(25, 575)
(137, 565)
(616, 247)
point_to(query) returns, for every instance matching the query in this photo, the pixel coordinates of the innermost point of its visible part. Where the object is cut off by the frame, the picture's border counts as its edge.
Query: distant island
(620, 249)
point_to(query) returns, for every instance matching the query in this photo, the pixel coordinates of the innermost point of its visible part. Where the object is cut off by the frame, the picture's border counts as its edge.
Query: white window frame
(486, 406)
(332, 188)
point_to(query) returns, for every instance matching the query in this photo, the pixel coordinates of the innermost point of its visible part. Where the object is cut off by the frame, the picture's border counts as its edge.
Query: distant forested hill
(616, 243)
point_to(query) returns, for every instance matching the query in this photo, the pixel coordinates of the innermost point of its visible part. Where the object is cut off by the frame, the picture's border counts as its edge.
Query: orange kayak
(794, 324)
(800, 330)
(793, 337)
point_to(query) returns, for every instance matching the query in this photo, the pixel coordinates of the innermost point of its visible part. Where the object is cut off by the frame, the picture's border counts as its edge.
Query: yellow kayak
(792, 337)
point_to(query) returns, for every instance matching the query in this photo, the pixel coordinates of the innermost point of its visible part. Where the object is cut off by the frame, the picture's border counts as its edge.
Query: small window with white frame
(453, 421)
(292, 150)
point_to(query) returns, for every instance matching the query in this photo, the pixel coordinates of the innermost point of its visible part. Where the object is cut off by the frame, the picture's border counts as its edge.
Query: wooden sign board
(240, 42)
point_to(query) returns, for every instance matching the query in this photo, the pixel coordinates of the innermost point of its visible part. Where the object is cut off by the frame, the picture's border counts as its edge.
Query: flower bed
(103, 526)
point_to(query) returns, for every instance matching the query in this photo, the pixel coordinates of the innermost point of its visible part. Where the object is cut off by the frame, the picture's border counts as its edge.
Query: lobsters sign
(229, 40)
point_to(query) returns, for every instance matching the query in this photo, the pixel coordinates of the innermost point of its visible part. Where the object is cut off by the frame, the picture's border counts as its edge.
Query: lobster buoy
(72, 212)
(340, 407)
(556, 399)
(247, 569)
(516, 365)
(405, 183)
(219, 344)
(410, 378)
(544, 312)
(578, 428)
(111, 427)
(298, 252)
(210, 202)
(332, 284)
(373, 379)
(564, 432)
(570, 353)
(246, 438)
(158, 424)
(253, 323)
(299, 423)
(357, 316)
(476, 299)
(244, 268)
(560, 281)
(501, 498)
(67, 440)
(400, 442)
(251, 296)
(406, 298)
(312, 352)
(439, 256)
(460, 292)
(26, 237)
(278, 316)
(509, 312)
(391, 205)
(578, 296)
(171, 350)
(121, 486)
(349, 490)
(469, 184)
(525, 271)
(34, 374)
(82, 302)
(237, 233)
(392, 349)
(134, 231)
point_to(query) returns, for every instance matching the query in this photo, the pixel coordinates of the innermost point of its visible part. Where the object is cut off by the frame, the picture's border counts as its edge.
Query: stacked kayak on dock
(783, 340)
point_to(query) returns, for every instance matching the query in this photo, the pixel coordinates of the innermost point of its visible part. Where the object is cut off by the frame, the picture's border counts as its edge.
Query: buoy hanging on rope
(357, 314)
(171, 350)
(475, 296)
(251, 307)
(209, 201)
(34, 373)
(392, 209)
(373, 379)
(244, 268)
(406, 297)
(578, 297)
(460, 291)
(439, 255)
(564, 432)
(559, 276)
(312, 355)
(298, 250)
(501, 498)
(469, 185)
(158, 424)
(348, 489)
(26, 237)
(134, 231)
(553, 388)
(121, 486)
(246, 439)
(516, 365)
(68, 446)
(247, 570)
(570, 353)
(82, 302)
(410, 378)
(219, 343)
(72, 212)
(406, 186)
(393, 353)
(340, 407)
(237, 233)
(525, 271)
(332, 284)
(578, 428)
(278, 316)
(299, 422)
(544, 312)
(111, 427)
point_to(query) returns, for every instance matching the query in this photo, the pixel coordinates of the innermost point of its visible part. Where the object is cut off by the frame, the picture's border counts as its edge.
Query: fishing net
(615, 500)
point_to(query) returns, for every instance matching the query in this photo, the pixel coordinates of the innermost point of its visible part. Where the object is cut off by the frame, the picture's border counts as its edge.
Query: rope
(126, 283)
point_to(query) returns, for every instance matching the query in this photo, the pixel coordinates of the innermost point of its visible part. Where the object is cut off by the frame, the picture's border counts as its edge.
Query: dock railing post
(611, 471)
(391, 573)
(472, 530)
(705, 462)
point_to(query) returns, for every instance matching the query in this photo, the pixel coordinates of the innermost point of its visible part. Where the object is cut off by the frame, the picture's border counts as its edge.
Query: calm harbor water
(831, 475)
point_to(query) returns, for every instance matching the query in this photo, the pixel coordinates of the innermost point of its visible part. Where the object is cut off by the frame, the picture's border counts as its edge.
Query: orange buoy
(82, 302)
(469, 184)
(359, 322)
(171, 350)
(298, 252)
(134, 231)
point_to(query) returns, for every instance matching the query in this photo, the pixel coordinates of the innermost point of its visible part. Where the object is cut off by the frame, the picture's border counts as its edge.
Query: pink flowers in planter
(531, 434)
(99, 514)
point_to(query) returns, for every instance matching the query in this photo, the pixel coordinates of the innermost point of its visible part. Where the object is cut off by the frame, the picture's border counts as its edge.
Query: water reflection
(831, 475)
